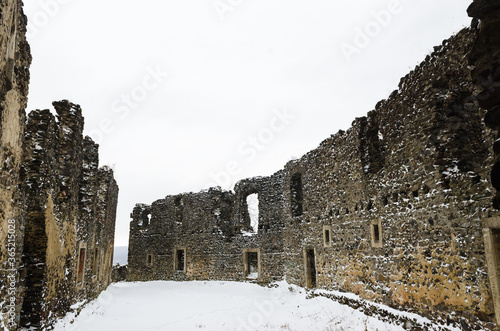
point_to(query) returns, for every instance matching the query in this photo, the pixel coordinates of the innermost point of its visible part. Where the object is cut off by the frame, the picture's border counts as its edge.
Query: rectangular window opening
(327, 236)
(150, 260)
(81, 265)
(376, 233)
(96, 261)
(180, 260)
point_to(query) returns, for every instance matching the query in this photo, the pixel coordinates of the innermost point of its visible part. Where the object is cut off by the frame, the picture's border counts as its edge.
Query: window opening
(253, 211)
(81, 265)
(180, 260)
(310, 266)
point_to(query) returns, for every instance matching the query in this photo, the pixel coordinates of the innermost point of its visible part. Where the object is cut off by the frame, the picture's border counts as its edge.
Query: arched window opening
(253, 211)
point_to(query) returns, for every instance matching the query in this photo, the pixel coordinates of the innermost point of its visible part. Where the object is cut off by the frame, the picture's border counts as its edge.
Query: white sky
(223, 76)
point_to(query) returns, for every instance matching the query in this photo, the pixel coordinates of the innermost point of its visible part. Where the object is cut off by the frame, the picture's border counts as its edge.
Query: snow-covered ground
(218, 306)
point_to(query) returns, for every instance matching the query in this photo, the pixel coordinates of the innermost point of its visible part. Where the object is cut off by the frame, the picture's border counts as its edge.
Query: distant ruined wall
(15, 59)
(393, 210)
(70, 216)
(213, 229)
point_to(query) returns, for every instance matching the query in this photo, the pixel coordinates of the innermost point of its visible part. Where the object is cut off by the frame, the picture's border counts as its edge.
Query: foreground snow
(215, 306)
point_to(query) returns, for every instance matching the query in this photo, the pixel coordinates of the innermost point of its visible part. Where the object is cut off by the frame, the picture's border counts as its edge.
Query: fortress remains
(57, 208)
(401, 209)
(398, 209)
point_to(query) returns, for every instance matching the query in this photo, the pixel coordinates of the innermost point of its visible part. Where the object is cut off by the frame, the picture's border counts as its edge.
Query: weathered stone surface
(392, 210)
(427, 200)
(70, 206)
(53, 199)
(119, 273)
(485, 59)
(213, 227)
(483, 9)
(15, 60)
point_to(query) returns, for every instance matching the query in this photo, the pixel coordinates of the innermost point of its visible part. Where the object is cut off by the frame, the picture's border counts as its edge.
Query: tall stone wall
(485, 61)
(69, 216)
(392, 210)
(57, 210)
(213, 229)
(405, 193)
(15, 59)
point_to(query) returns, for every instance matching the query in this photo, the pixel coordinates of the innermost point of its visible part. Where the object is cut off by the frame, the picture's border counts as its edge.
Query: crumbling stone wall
(119, 273)
(213, 227)
(69, 216)
(392, 210)
(413, 169)
(15, 60)
(53, 199)
(485, 61)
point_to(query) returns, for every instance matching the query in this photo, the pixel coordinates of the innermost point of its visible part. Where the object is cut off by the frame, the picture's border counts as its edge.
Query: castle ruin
(397, 209)
(400, 209)
(57, 208)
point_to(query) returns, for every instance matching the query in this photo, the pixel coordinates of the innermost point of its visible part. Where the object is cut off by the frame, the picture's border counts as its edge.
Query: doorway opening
(180, 259)
(251, 263)
(310, 267)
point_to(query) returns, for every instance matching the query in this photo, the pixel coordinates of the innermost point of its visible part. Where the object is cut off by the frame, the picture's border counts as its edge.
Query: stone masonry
(70, 216)
(15, 59)
(57, 208)
(485, 59)
(394, 209)
(210, 231)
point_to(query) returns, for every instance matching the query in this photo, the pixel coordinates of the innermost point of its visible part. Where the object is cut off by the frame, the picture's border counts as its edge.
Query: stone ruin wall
(403, 197)
(414, 167)
(15, 59)
(70, 216)
(53, 198)
(484, 59)
(209, 226)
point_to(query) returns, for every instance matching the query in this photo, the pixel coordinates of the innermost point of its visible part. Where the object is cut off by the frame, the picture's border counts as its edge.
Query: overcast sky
(182, 95)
